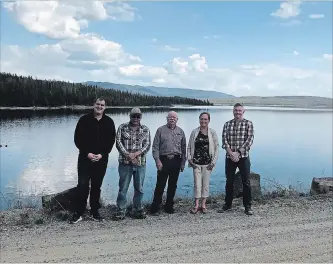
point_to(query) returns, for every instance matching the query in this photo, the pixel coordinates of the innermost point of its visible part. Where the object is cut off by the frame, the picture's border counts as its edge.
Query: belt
(171, 156)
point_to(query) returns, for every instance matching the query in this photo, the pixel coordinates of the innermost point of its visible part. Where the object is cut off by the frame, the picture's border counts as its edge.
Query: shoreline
(317, 107)
(74, 107)
(43, 215)
(284, 229)
(84, 107)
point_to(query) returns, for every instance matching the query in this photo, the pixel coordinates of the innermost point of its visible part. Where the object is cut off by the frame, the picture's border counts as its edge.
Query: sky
(263, 48)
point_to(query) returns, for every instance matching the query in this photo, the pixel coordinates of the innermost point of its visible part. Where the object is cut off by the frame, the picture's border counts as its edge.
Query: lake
(291, 146)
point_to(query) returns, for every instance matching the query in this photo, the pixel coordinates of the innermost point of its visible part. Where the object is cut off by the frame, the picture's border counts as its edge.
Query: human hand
(210, 166)
(92, 156)
(135, 161)
(234, 156)
(159, 165)
(98, 157)
(182, 168)
(132, 156)
(192, 164)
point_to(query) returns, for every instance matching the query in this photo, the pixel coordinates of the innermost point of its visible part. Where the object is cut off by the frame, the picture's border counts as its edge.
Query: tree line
(27, 91)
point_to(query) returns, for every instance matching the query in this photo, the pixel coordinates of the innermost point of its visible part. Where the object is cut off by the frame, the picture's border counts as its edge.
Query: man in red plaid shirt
(237, 138)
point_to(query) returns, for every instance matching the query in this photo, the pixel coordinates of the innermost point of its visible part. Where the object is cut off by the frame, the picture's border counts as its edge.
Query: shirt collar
(171, 127)
(129, 126)
(92, 115)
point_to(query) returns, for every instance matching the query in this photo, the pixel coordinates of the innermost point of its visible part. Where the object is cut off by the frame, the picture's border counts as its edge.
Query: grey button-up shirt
(169, 141)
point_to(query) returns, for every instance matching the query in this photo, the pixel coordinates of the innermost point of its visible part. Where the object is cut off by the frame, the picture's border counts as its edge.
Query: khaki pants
(201, 181)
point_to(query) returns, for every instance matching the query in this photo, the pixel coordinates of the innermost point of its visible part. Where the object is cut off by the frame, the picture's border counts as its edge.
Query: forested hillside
(26, 91)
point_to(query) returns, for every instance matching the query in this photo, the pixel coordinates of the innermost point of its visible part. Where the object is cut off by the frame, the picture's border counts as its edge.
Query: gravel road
(287, 230)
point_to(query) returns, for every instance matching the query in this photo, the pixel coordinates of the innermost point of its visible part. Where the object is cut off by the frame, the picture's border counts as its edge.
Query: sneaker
(75, 218)
(248, 210)
(118, 216)
(96, 216)
(225, 208)
(139, 214)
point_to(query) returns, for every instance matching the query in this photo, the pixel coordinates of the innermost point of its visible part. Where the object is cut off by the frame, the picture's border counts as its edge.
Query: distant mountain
(163, 91)
(280, 101)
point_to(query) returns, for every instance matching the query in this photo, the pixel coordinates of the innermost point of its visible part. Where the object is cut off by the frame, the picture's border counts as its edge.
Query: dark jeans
(170, 173)
(230, 168)
(94, 171)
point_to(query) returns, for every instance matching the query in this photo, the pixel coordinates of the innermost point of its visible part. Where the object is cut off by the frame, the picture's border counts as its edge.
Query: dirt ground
(281, 230)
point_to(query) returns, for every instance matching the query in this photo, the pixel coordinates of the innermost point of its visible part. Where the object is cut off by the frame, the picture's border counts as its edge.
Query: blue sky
(242, 48)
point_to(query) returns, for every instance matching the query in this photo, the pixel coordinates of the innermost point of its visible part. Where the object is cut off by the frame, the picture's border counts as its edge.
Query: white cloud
(54, 61)
(169, 48)
(139, 70)
(68, 58)
(65, 18)
(316, 16)
(159, 81)
(291, 23)
(328, 57)
(212, 37)
(120, 11)
(95, 46)
(81, 57)
(194, 63)
(165, 47)
(288, 9)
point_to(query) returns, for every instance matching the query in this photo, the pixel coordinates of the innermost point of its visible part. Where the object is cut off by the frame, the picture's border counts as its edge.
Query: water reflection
(290, 147)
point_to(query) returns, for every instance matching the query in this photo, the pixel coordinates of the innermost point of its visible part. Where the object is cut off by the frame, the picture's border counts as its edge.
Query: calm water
(291, 146)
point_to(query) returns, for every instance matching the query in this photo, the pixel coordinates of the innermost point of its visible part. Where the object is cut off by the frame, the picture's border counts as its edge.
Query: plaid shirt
(130, 141)
(238, 137)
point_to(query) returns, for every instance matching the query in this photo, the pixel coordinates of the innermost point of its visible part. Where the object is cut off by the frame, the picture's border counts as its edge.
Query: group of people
(95, 136)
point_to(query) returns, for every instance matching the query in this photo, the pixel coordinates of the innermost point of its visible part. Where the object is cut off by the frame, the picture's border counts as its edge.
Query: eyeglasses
(136, 116)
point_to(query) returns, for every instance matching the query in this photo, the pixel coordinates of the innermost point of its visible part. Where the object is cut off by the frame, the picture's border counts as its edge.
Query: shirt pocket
(141, 137)
(125, 135)
(178, 139)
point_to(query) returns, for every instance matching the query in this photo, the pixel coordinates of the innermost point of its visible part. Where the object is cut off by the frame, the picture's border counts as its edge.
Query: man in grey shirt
(169, 152)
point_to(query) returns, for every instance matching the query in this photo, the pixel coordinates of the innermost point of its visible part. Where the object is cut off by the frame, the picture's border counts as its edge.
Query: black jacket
(93, 136)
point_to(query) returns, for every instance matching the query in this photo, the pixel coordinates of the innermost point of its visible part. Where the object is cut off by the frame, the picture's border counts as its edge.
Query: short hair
(238, 104)
(100, 99)
(205, 113)
(173, 113)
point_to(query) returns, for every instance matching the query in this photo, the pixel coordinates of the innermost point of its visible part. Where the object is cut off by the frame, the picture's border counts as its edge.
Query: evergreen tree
(26, 91)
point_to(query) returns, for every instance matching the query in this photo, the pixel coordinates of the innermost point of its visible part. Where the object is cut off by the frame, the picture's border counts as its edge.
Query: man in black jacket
(94, 136)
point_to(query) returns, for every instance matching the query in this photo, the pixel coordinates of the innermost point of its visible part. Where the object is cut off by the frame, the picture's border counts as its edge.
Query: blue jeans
(126, 172)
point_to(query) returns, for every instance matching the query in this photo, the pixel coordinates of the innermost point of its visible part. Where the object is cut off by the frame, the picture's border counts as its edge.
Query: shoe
(75, 218)
(96, 216)
(248, 210)
(139, 214)
(225, 208)
(118, 216)
(204, 210)
(154, 210)
(169, 210)
(194, 210)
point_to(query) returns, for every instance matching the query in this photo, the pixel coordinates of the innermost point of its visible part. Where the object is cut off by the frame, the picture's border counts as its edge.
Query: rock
(64, 201)
(321, 185)
(254, 182)
(60, 201)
